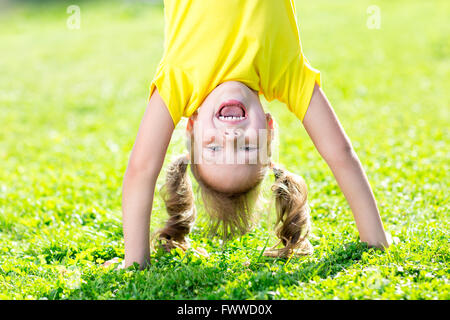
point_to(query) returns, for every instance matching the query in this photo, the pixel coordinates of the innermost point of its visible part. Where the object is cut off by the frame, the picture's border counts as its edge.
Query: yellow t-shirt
(256, 42)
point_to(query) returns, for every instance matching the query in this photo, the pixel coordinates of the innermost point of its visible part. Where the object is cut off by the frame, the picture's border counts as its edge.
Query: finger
(109, 262)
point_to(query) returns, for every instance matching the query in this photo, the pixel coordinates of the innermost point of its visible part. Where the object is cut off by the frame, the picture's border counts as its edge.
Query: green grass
(70, 105)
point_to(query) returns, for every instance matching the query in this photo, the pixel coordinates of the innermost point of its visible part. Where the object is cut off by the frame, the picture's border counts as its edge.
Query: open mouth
(232, 111)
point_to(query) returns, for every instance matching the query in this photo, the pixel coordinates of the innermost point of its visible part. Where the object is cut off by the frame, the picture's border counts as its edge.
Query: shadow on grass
(156, 283)
(266, 280)
(170, 278)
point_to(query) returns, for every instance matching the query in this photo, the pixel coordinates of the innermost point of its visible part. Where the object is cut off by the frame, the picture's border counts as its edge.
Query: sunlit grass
(70, 105)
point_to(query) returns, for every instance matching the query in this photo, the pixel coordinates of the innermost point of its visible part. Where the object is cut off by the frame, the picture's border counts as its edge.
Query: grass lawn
(71, 102)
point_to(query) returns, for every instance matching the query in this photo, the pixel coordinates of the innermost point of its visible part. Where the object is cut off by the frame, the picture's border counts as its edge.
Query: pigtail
(179, 200)
(293, 215)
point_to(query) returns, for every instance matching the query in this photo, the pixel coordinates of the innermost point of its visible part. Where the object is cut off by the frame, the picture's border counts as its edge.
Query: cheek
(257, 119)
(203, 132)
(256, 132)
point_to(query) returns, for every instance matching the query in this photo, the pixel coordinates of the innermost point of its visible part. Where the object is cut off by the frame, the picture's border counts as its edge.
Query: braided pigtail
(179, 200)
(293, 213)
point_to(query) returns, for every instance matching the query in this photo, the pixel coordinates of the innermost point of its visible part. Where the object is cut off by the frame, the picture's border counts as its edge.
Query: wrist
(379, 243)
(143, 261)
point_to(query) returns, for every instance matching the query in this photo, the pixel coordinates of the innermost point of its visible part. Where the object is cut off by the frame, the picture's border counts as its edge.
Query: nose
(232, 133)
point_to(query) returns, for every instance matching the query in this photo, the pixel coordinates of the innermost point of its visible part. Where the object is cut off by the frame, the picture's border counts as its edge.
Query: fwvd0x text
(226, 309)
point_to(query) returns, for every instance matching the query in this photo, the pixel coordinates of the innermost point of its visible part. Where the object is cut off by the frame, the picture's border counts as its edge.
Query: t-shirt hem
(155, 84)
(314, 77)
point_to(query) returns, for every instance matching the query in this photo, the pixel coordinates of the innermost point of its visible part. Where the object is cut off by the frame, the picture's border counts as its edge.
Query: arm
(334, 146)
(144, 165)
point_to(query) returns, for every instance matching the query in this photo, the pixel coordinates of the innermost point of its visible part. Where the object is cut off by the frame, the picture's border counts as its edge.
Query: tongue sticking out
(232, 111)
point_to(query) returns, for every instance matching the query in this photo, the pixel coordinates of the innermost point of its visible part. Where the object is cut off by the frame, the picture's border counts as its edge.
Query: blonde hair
(232, 214)
(179, 200)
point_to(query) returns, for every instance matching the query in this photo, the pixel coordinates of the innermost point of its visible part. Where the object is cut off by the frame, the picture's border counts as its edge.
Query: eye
(249, 148)
(214, 147)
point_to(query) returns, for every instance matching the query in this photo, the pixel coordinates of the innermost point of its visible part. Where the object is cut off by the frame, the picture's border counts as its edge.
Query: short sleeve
(296, 85)
(174, 88)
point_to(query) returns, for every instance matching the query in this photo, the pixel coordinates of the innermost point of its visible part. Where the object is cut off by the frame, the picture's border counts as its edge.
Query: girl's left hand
(114, 261)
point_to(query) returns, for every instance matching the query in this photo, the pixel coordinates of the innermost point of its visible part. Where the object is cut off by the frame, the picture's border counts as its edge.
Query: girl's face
(230, 132)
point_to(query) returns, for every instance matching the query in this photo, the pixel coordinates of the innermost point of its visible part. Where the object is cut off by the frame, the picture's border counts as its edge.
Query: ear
(270, 126)
(269, 121)
(190, 123)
